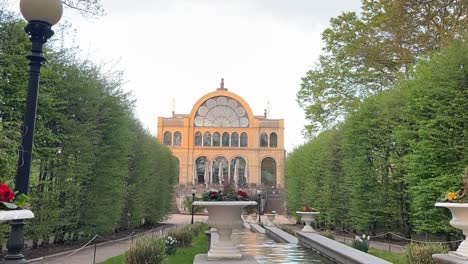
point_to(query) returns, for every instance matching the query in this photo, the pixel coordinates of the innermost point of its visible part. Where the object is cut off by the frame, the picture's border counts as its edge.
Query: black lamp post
(193, 207)
(259, 204)
(41, 15)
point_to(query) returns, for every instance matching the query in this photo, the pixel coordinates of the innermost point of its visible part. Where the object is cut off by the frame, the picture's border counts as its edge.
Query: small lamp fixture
(49, 11)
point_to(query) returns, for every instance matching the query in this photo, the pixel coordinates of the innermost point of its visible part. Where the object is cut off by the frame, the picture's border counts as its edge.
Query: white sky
(181, 48)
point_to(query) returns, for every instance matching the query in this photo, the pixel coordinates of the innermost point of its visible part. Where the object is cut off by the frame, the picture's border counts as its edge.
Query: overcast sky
(182, 48)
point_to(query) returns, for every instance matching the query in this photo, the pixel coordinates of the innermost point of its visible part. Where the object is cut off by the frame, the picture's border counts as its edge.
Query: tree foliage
(366, 53)
(394, 156)
(95, 169)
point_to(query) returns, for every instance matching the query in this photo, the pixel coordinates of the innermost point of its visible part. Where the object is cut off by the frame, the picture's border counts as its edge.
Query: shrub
(422, 253)
(146, 250)
(183, 236)
(328, 234)
(361, 244)
(171, 245)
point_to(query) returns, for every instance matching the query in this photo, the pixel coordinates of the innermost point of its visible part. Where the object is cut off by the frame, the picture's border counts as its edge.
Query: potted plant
(224, 214)
(307, 215)
(457, 203)
(13, 206)
(271, 218)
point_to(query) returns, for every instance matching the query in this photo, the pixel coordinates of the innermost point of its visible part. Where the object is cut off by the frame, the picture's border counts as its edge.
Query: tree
(365, 54)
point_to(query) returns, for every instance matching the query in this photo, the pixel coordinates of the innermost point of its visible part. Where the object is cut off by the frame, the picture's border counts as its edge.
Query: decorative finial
(265, 113)
(222, 83)
(173, 107)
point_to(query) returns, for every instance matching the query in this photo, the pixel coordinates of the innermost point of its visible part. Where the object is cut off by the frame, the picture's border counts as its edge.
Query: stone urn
(224, 216)
(244, 216)
(307, 217)
(10, 215)
(270, 219)
(460, 221)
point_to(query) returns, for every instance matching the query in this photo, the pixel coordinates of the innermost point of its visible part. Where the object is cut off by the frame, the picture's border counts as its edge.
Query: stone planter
(224, 216)
(460, 221)
(245, 218)
(307, 217)
(270, 219)
(10, 215)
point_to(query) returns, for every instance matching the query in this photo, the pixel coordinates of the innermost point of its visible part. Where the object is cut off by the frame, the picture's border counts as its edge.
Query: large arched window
(177, 138)
(244, 140)
(269, 172)
(168, 138)
(207, 139)
(225, 139)
(202, 170)
(238, 172)
(220, 170)
(273, 140)
(198, 139)
(216, 139)
(221, 111)
(263, 140)
(234, 139)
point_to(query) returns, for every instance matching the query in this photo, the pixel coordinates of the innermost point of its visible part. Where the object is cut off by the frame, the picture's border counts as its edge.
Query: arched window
(177, 138)
(198, 140)
(216, 139)
(220, 170)
(207, 139)
(234, 139)
(263, 140)
(168, 138)
(244, 140)
(273, 140)
(238, 172)
(225, 139)
(269, 172)
(202, 170)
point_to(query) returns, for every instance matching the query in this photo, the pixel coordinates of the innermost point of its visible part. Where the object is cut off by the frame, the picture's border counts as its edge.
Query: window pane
(207, 139)
(243, 140)
(198, 139)
(177, 138)
(167, 138)
(263, 140)
(216, 139)
(234, 140)
(273, 140)
(225, 139)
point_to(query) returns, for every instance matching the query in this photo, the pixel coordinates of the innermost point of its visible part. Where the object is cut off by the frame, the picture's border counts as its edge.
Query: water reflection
(266, 250)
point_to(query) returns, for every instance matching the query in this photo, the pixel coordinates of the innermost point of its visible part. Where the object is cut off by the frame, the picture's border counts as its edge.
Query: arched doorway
(269, 172)
(177, 169)
(238, 172)
(220, 170)
(202, 170)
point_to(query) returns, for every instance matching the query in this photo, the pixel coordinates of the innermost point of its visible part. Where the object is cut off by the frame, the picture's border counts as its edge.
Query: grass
(395, 258)
(182, 256)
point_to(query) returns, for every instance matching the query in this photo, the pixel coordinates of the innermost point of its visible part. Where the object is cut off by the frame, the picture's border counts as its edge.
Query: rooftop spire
(221, 86)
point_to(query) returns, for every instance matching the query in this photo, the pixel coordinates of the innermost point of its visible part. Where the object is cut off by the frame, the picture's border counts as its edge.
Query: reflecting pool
(266, 250)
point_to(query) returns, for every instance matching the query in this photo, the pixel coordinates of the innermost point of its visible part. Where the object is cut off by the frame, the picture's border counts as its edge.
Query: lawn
(395, 258)
(182, 256)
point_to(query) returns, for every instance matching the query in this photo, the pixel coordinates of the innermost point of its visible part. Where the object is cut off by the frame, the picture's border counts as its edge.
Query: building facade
(221, 141)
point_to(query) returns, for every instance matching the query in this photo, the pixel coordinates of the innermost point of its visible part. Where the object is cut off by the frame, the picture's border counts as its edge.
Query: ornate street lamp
(193, 207)
(41, 16)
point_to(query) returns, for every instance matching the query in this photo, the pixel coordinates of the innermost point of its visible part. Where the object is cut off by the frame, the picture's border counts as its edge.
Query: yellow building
(222, 140)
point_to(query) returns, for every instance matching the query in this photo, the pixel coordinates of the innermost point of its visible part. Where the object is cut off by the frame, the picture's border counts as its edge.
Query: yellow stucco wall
(187, 152)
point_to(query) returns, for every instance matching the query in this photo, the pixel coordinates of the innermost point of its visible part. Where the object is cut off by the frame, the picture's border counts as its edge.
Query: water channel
(266, 250)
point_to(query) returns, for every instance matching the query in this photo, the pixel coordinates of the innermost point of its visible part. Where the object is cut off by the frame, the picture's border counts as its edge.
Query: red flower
(242, 194)
(6, 194)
